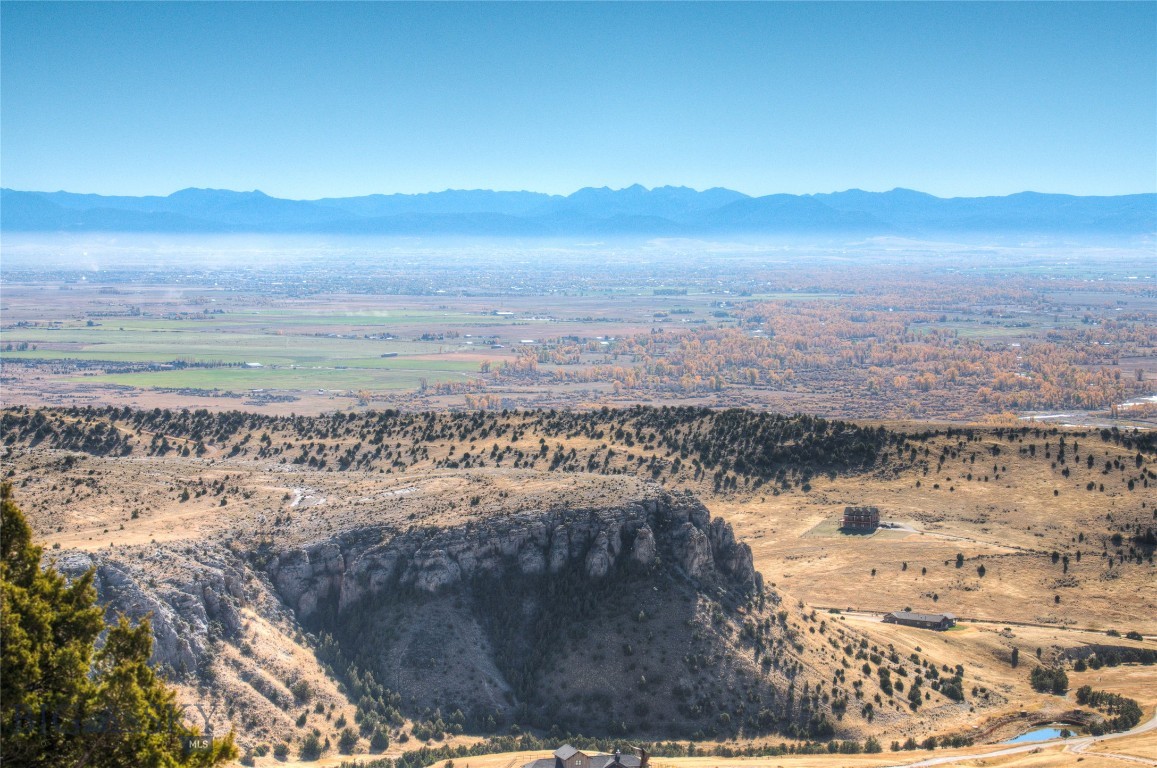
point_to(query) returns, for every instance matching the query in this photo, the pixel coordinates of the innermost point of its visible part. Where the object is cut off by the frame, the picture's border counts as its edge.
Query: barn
(938, 621)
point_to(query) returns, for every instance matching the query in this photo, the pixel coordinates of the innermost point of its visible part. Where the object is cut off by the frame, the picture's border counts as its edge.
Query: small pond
(1045, 733)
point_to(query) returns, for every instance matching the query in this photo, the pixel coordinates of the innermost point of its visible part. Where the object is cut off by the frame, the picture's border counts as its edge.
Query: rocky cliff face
(535, 616)
(190, 595)
(527, 616)
(361, 564)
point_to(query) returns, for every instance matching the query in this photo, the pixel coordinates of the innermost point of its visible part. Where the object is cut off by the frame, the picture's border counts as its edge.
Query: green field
(132, 330)
(244, 379)
(349, 355)
(378, 318)
(290, 356)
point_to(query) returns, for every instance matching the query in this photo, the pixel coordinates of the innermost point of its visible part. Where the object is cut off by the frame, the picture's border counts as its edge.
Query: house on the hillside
(939, 621)
(567, 756)
(861, 518)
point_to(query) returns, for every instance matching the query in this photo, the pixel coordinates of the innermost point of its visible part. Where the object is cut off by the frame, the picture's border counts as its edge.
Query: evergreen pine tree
(63, 702)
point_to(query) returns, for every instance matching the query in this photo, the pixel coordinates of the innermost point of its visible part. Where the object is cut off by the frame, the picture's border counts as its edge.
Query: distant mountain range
(636, 210)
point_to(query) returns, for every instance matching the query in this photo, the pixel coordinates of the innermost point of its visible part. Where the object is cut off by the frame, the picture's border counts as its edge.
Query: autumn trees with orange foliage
(890, 354)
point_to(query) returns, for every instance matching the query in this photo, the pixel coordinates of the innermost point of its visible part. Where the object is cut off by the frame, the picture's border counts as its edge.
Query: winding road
(878, 616)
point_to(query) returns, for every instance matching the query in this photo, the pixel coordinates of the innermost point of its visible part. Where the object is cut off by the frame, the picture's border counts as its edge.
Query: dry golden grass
(1010, 526)
(1143, 745)
(1044, 757)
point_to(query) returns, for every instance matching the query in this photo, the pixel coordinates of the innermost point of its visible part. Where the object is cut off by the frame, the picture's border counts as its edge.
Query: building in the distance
(922, 620)
(861, 518)
(567, 756)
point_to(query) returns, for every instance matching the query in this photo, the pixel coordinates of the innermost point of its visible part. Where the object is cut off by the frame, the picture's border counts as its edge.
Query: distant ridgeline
(734, 449)
(662, 211)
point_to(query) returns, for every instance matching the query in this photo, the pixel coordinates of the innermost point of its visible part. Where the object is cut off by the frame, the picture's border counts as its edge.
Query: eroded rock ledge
(194, 593)
(359, 564)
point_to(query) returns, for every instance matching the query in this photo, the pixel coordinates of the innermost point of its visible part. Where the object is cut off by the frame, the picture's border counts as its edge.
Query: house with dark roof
(860, 519)
(939, 621)
(567, 756)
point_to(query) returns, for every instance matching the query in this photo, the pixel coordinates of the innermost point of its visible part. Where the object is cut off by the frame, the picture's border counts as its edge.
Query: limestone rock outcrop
(198, 599)
(358, 564)
(643, 550)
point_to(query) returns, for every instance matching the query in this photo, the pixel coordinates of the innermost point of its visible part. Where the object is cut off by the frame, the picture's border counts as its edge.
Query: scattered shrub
(348, 741)
(311, 747)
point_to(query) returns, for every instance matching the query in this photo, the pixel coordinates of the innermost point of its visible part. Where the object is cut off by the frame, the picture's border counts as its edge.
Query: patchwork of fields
(907, 338)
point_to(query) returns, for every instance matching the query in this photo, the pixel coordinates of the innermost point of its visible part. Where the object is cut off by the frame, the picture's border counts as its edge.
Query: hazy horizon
(603, 187)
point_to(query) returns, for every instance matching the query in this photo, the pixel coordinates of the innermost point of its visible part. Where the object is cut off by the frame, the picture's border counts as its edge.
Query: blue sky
(326, 99)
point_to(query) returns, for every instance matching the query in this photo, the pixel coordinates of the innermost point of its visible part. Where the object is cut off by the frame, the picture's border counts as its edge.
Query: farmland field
(869, 333)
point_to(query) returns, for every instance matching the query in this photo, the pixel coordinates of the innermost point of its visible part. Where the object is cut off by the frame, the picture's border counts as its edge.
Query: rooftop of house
(594, 759)
(912, 616)
(603, 761)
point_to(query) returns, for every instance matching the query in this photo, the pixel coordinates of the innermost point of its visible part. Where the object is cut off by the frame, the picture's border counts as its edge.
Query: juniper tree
(63, 701)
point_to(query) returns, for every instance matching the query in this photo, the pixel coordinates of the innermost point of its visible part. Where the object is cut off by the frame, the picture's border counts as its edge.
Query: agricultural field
(1023, 333)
